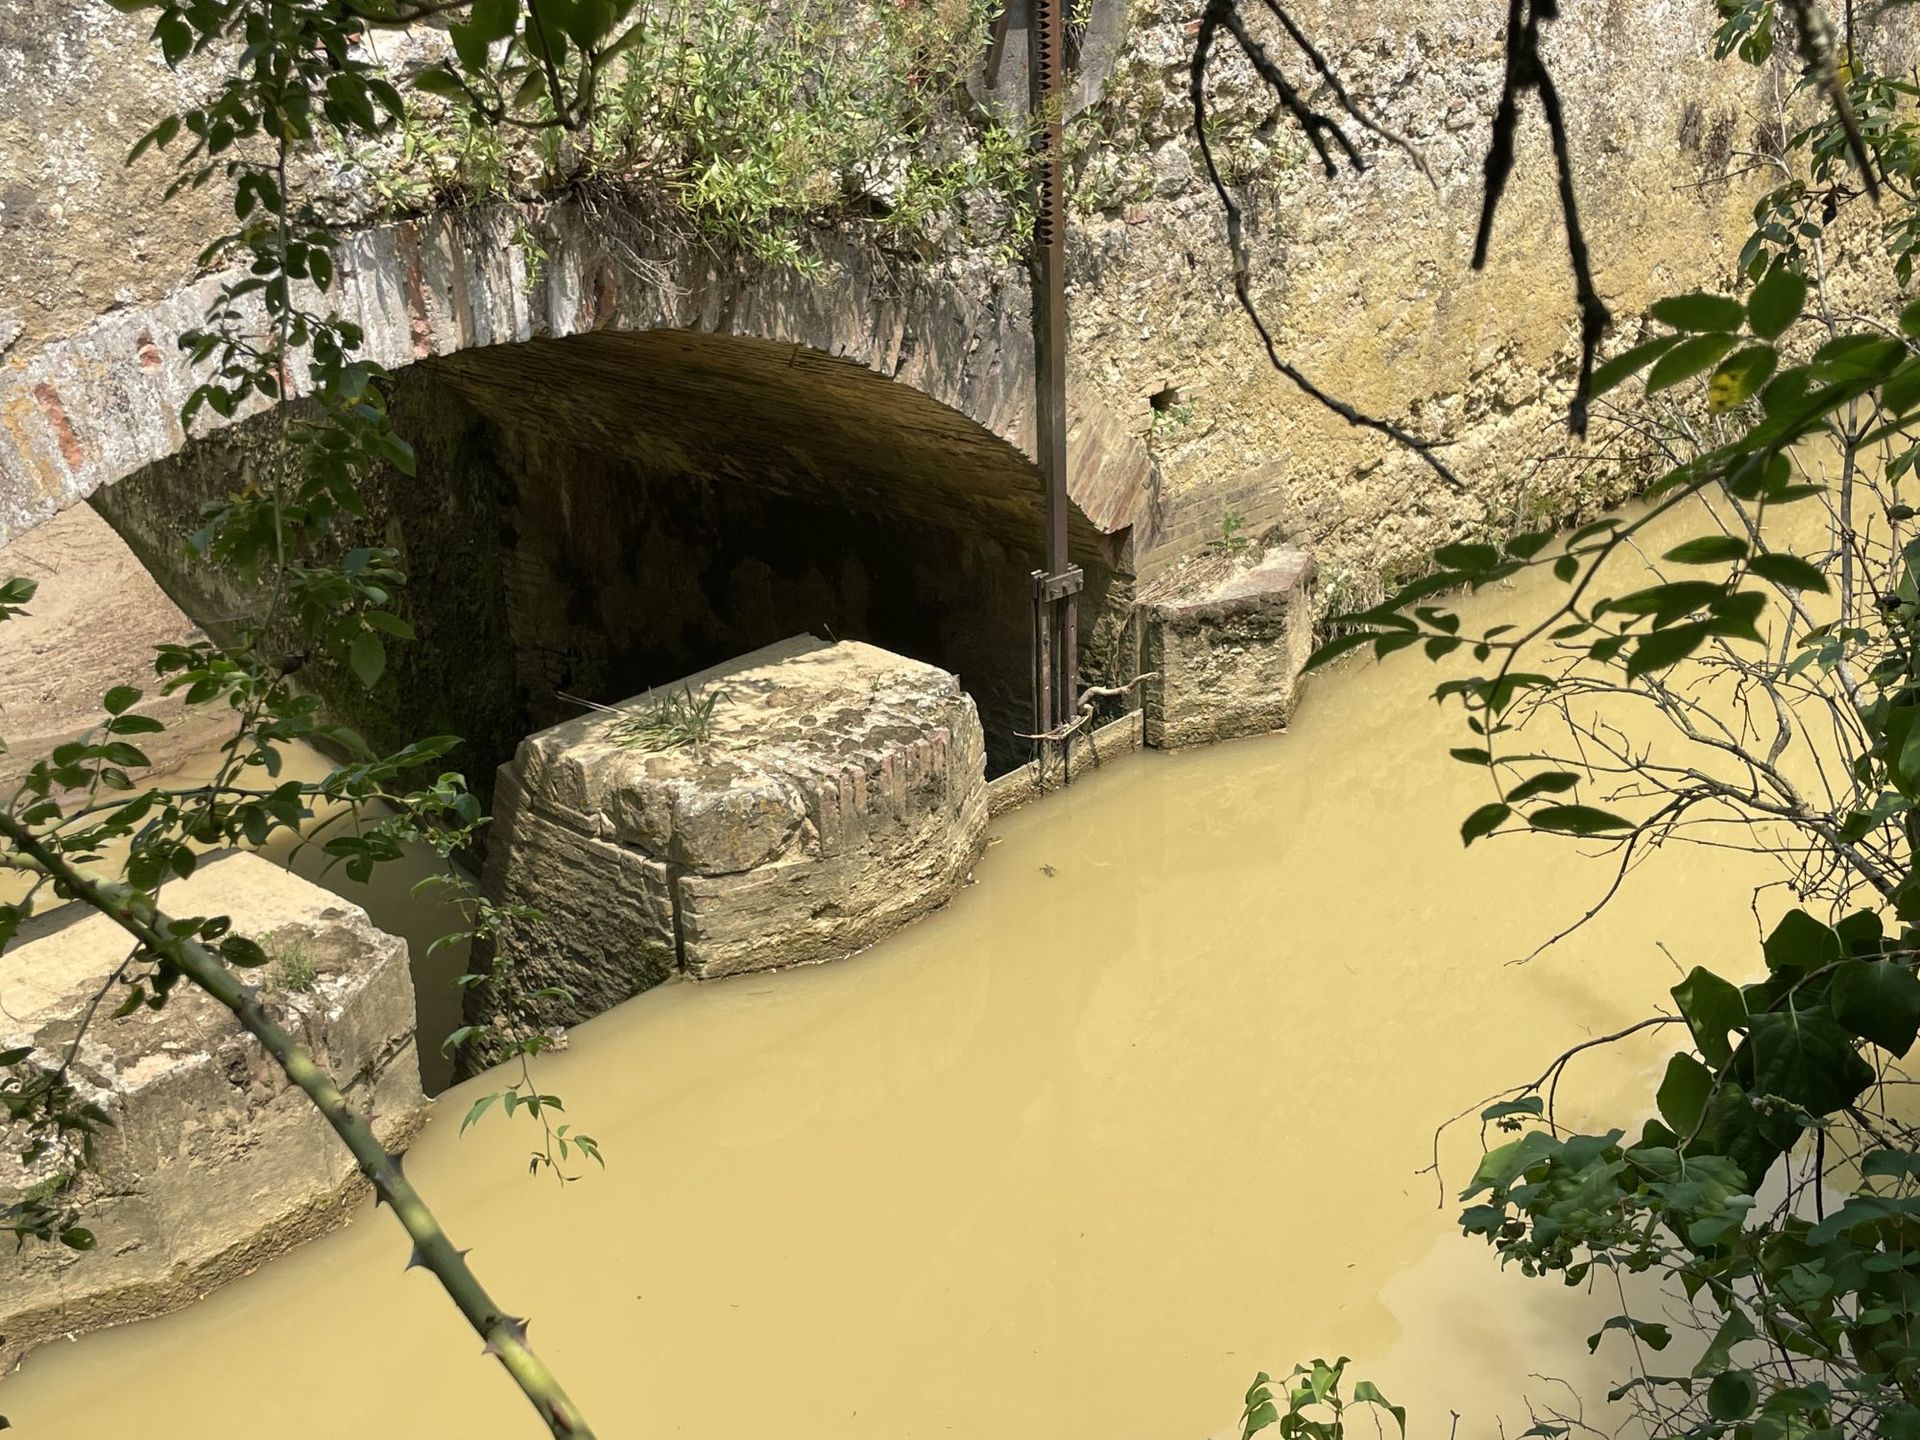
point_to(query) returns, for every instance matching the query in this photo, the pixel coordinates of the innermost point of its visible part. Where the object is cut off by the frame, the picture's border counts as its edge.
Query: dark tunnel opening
(595, 517)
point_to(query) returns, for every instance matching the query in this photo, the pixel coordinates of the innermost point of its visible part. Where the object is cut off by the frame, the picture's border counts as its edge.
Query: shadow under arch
(596, 515)
(682, 497)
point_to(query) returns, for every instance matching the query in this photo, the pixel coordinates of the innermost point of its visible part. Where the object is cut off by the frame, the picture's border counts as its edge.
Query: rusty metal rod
(1056, 608)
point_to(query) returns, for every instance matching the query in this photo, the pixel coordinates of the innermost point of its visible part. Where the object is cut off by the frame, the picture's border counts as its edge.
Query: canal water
(1146, 1109)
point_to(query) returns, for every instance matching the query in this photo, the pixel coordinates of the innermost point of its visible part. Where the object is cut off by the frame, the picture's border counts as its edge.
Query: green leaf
(1483, 821)
(1699, 312)
(1385, 645)
(1732, 1396)
(120, 699)
(493, 20)
(347, 96)
(1878, 1001)
(1576, 820)
(1525, 1105)
(1683, 1093)
(1861, 932)
(479, 1109)
(242, 953)
(1668, 602)
(388, 624)
(439, 80)
(1548, 782)
(1803, 1056)
(1366, 1392)
(471, 46)
(1858, 357)
(1733, 1330)
(1738, 377)
(1711, 1007)
(1776, 303)
(1504, 1164)
(1470, 558)
(1649, 1333)
(1708, 550)
(1630, 362)
(1789, 570)
(77, 1237)
(1686, 360)
(1337, 647)
(1800, 942)
(590, 22)
(368, 657)
(1665, 648)
(1910, 319)
(1895, 1164)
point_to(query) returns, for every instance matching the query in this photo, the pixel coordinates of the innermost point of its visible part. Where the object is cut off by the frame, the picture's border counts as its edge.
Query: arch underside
(598, 515)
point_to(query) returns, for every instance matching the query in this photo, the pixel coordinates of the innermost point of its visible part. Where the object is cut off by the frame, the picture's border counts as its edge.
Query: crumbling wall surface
(213, 1162)
(1364, 279)
(79, 232)
(839, 793)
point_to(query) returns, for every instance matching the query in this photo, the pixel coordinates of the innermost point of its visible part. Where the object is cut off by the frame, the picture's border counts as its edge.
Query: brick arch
(92, 409)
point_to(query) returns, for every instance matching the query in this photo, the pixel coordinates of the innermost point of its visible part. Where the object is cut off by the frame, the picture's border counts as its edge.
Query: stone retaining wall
(1363, 277)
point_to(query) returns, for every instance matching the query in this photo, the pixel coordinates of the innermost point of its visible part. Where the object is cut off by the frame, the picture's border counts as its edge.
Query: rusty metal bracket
(1070, 581)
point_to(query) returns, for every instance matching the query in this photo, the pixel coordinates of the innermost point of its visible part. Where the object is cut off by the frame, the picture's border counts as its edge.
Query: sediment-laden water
(1141, 1112)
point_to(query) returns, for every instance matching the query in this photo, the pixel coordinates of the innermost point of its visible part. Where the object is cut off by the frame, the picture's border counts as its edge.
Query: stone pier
(213, 1162)
(840, 793)
(1225, 644)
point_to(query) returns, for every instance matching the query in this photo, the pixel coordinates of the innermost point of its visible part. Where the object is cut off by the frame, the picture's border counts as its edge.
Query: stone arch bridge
(594, 397)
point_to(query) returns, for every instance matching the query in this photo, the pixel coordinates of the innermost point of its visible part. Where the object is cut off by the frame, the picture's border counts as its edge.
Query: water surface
(1144, 1110)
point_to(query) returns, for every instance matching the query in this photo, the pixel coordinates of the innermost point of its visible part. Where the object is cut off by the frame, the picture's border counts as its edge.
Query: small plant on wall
(680, 717)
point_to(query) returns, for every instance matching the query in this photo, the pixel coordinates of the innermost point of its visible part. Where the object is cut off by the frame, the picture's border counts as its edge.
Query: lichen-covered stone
(840, 793)
(1226, 650)
(213, 1163)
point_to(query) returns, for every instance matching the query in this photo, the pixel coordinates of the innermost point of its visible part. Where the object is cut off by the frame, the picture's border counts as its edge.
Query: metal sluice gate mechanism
(1056, 589)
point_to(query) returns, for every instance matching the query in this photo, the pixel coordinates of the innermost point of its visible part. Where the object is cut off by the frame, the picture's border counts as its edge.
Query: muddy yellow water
(1144, 1110)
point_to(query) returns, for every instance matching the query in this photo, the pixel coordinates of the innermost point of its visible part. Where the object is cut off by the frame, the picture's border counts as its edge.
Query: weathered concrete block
(214, 1163)
(841, 793)
(1228, 656)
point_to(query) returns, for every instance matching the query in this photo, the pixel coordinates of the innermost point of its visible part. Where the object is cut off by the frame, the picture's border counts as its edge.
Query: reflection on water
(1140, 1113)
